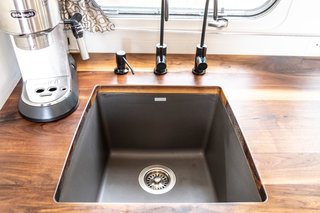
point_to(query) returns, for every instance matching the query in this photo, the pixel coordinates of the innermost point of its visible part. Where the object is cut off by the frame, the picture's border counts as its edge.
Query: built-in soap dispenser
(123, 65)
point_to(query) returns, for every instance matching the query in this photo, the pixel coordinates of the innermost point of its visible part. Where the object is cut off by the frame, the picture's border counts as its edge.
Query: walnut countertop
(276, 101)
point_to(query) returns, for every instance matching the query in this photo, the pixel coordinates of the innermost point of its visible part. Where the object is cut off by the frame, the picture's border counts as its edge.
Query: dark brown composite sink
(153, 144)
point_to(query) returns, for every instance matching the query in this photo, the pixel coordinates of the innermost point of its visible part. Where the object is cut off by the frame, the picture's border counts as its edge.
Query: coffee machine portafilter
(50, 89)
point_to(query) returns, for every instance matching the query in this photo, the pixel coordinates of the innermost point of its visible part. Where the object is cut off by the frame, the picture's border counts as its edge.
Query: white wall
(292, 28)
(9, 70)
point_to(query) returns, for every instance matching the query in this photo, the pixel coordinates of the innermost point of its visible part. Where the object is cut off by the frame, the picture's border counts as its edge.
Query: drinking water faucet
(200, 64)
(200, 61)
(161, 48)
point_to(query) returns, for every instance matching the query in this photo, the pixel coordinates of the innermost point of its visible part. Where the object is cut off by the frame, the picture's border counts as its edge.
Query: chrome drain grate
(157, 179)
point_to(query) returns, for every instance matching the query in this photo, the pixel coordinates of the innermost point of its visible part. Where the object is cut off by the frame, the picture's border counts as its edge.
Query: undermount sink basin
(157, 144)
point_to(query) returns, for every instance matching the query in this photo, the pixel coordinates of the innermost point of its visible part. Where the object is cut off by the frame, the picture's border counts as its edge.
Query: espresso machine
(50, 90)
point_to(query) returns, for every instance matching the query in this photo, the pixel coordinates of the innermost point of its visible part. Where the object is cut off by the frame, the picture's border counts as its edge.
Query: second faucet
(161, 48)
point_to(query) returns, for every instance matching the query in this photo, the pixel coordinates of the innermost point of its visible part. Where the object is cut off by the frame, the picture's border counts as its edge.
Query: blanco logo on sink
(160, 99)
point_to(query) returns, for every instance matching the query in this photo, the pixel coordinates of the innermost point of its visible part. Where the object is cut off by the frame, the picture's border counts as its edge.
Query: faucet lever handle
(217, 22)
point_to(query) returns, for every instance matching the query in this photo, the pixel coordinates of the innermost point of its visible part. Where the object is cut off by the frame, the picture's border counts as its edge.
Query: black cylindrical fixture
(161, 59)
(200, 63)
(121, 68)
(201, 50)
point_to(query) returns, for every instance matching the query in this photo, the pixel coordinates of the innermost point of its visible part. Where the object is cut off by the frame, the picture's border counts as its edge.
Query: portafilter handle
(77, 31)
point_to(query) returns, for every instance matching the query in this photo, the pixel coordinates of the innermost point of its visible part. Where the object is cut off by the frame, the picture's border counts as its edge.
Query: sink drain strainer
(157, 179)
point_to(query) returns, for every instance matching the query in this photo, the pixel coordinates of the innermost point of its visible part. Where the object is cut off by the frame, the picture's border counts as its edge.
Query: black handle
(76, 27)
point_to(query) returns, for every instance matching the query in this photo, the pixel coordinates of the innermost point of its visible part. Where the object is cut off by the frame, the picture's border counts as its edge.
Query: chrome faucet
(217, 22)
(161, 48)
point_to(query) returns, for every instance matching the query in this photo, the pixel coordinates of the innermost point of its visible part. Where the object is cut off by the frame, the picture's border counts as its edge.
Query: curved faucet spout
(204, 24)
(164, 17)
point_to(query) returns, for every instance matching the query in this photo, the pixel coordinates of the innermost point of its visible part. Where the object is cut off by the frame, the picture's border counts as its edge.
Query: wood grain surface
(276, 101)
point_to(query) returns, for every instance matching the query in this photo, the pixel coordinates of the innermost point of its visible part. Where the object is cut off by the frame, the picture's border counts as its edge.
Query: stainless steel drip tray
(156, 144)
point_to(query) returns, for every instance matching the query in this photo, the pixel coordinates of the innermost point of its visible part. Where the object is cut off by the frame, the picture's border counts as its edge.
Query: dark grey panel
(139, 122)
(85, 167)
(230, 171)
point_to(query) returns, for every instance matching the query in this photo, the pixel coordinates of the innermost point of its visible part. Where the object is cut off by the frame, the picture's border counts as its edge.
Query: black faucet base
(160, 72)
(198, 72)
(121, 71)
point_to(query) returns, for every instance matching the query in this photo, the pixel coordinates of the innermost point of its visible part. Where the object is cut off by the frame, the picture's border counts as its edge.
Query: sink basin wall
(225, 155)
(86, 166)
(134, 121)
(192, 131)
